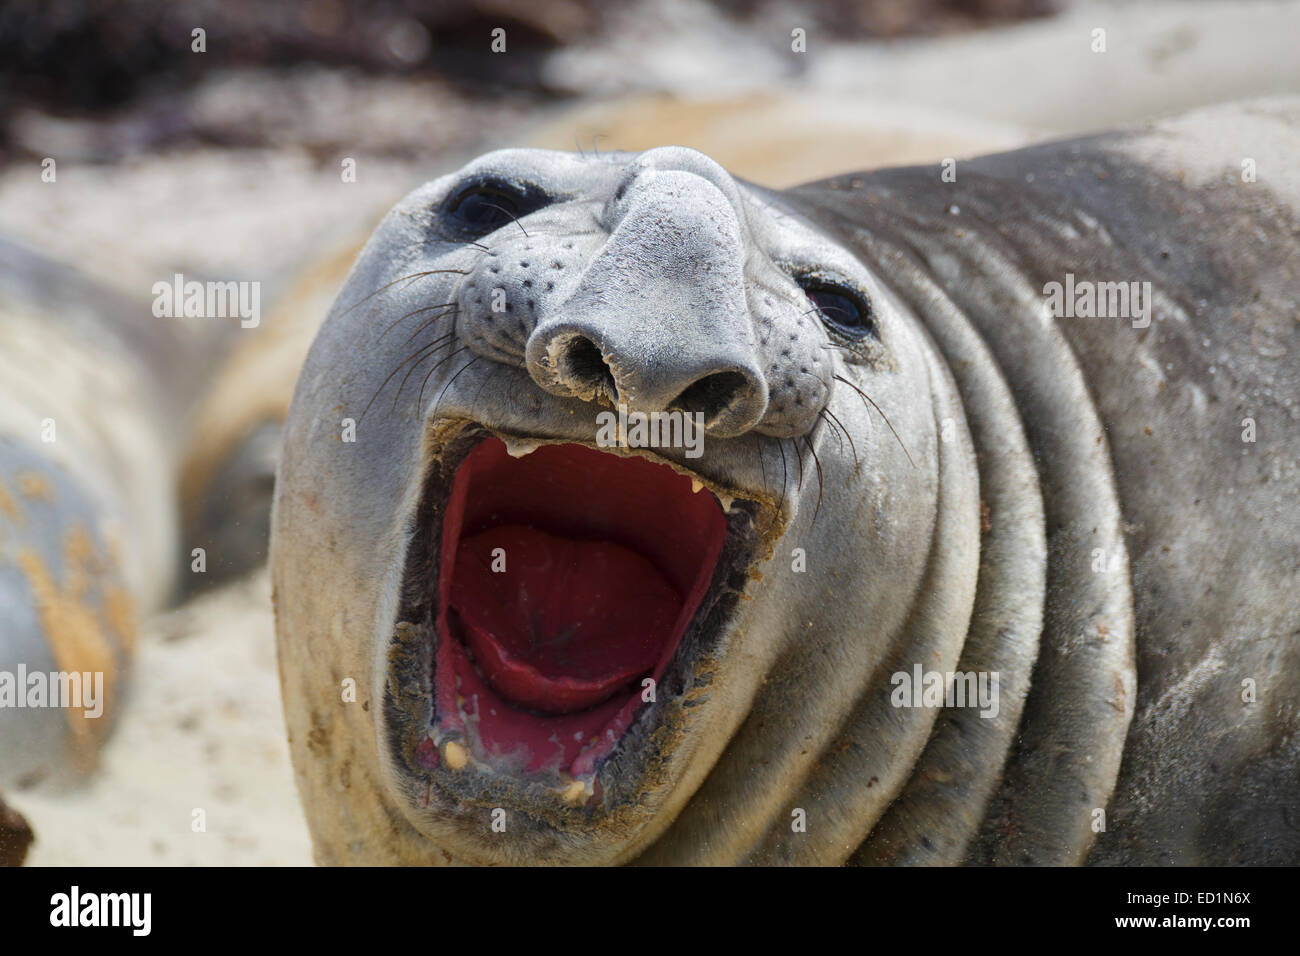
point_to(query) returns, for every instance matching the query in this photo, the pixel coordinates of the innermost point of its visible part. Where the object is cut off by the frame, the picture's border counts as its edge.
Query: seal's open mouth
(568, 578)
(557, 610)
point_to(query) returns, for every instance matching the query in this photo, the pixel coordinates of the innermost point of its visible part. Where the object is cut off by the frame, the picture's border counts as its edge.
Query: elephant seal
(972, 538)
(94, 391)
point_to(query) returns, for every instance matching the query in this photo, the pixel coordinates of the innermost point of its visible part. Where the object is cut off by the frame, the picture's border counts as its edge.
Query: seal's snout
(588, 361)
(659, 319)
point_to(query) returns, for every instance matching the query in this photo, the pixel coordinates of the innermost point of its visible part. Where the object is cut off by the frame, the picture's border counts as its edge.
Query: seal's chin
(567, 579)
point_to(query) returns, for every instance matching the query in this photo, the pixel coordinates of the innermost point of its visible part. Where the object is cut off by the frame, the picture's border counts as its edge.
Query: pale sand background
(204, 728)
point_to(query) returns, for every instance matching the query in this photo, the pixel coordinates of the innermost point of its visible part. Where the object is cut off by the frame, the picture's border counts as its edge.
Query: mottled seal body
(93, 394)
(910, 466)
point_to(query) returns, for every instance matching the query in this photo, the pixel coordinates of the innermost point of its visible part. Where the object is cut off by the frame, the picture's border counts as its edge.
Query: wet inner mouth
(568, 577)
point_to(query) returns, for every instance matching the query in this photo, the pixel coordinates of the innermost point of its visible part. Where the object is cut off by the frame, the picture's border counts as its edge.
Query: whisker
(497, 367)
(780, 446)
(853, 448)
(511, 215)
(408, 279)
(867, 398)
(429, 351)
(841, 348)
(385, 382)
(453, 380)
(392, 325)
(839, 435)
(432, 320)
(818, 462)
(461, 242)
(441, 362)
(838, 427)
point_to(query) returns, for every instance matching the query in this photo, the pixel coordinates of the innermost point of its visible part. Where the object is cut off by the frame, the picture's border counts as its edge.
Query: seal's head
(591, 525)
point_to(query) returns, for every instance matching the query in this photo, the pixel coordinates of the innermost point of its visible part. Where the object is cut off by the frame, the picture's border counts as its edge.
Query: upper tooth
(516, 448)
(696, 485)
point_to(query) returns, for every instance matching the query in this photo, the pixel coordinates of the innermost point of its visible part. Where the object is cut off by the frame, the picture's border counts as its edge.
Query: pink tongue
(566, 623)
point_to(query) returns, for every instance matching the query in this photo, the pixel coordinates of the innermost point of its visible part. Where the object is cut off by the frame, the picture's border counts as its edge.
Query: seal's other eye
(486, 205)
(840, 307)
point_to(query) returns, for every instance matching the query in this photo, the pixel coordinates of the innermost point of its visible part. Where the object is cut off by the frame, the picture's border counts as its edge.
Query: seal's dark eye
(486, 206)
(840, 308)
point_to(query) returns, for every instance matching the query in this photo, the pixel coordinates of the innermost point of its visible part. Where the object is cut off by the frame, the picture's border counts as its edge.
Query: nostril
(584, 366)
(713, 394)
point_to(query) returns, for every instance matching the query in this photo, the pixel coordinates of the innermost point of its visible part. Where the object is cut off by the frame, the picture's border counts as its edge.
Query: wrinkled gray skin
(1068, 502)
